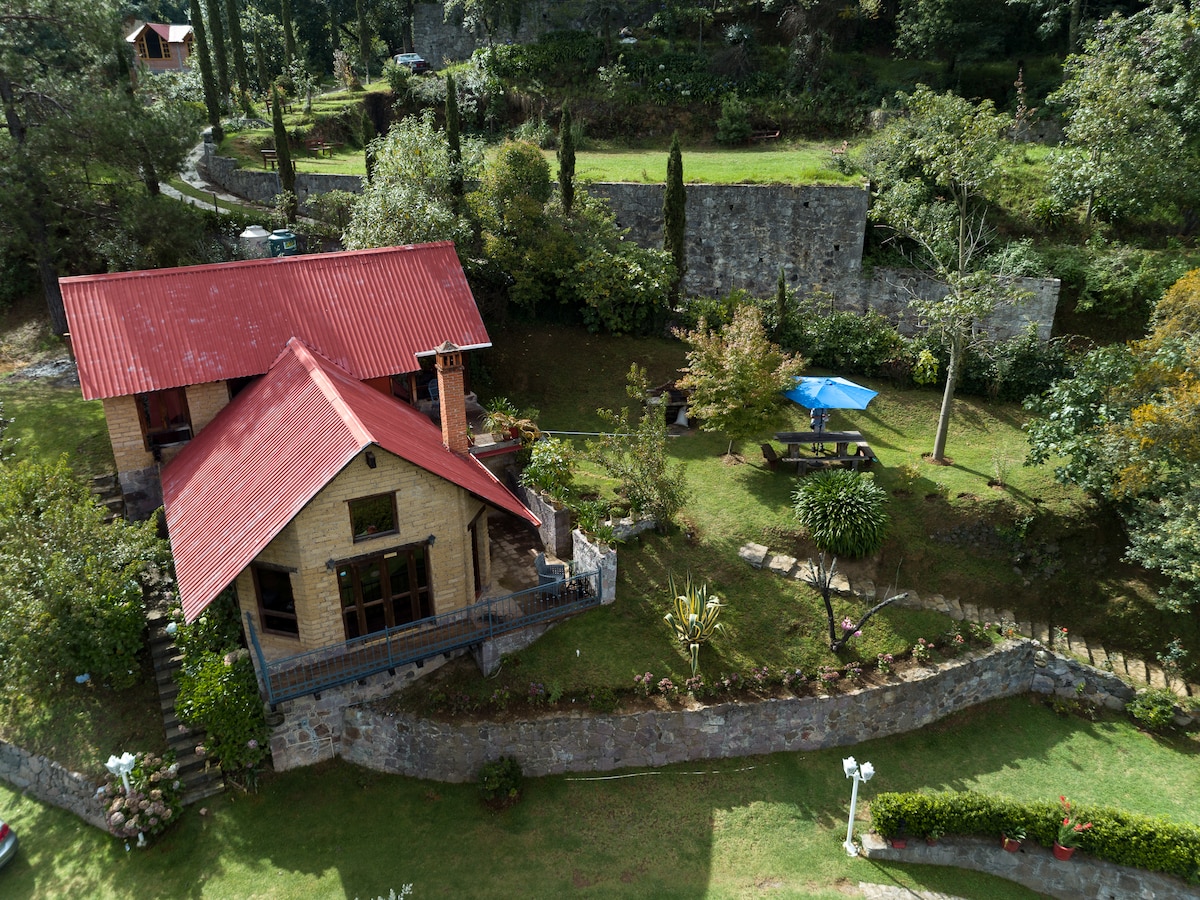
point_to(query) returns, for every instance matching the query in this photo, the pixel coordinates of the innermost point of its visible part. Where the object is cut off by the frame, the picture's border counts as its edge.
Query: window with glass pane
(276, 605)
(372, 516)
(385, 591)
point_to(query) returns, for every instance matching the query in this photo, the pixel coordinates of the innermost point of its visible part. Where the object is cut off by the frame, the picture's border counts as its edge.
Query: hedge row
(1155, 844)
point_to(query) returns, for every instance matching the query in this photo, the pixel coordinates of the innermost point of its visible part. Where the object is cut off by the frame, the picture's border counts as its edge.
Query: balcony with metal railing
(316, 670)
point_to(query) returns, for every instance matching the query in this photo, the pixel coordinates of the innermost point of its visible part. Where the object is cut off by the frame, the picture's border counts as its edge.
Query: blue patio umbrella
(822, 392)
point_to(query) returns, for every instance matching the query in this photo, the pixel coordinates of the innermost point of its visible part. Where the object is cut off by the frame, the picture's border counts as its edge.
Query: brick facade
(426, 505)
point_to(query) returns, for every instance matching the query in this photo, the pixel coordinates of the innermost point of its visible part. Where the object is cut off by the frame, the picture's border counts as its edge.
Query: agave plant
(694, 617)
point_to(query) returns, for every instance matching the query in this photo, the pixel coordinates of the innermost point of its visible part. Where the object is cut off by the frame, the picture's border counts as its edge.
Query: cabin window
(385, 590)
(276, 603)
(165, 417)
(373, 516)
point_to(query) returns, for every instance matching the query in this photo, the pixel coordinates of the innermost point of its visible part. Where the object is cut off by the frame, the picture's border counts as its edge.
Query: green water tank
(281, 243)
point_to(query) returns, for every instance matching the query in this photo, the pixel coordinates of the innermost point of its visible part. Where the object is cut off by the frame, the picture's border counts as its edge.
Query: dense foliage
(1153, 843)
(73, 584)
(153, 801)
(842, 511)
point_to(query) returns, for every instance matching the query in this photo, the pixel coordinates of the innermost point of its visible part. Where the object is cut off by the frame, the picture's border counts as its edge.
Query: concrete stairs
(1055, 636)
(107, 490)
(200, 780)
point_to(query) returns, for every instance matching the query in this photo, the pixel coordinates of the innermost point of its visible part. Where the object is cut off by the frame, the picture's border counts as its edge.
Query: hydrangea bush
(152, 802)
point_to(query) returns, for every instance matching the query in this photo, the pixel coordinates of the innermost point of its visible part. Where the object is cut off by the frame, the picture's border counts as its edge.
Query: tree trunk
(943, 425)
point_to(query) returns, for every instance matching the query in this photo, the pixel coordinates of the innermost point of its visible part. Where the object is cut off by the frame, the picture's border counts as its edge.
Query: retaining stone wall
(1082, 877)
(555, 530)
(442, 751)
(51, 783)
(740, 236)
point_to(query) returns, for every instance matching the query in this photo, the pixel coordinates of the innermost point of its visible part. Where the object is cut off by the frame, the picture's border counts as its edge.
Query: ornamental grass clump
(694, 617)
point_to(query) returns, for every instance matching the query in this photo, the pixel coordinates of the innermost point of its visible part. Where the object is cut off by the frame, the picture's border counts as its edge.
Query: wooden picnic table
(809, 449)
(270, 157)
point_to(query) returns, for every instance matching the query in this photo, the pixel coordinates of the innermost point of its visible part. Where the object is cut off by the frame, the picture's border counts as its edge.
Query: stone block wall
(453, 752)
(555, 530)
(51, 783)
(740, 236)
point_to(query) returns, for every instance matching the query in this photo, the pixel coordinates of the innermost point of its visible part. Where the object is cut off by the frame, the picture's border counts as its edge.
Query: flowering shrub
(761, 677)
(219, 693)
(152, 802)
(829, 674)
(501, 697)
(537, 693)
(848, 627)
(668, 689)
(695, 685)
(922, 652)
(884, 662)
(793, 679)
(642, 684)
(1070, 831)
(854, 672)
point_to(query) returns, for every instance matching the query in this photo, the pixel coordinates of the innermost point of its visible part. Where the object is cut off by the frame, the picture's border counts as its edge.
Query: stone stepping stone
(806, 572)
(987, 614)
(780, 564)
(755, 554)
(954, 608)
(912, 601)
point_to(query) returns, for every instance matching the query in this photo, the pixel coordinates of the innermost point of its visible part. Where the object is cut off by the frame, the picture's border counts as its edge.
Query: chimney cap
(448, 347)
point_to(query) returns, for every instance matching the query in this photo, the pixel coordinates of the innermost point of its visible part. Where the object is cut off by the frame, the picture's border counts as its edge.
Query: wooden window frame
(371, 535)
(154, 437)
(255, 569)
(418, 597)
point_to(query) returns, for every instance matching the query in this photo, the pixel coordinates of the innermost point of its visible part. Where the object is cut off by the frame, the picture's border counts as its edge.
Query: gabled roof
(273, 448)
(172, 34)
(372, 312)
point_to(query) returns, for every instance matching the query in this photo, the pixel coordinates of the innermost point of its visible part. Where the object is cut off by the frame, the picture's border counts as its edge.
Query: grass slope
(726, 829)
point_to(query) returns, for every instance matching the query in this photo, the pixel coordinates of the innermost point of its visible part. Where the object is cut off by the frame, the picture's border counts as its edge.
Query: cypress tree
(238, 44)
(289, 34)
(364, 40)
(216, 35)
(566, 162)
(368, 135)
(212, 103)
(675, 215)
(454, 141)
(283, 154)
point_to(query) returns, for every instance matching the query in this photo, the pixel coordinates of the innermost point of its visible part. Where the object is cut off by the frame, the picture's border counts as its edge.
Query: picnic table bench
(270, 157)
(850, 451)
(316, 147)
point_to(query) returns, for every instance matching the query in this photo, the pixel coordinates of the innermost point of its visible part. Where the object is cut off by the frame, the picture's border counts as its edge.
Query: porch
(316, 670)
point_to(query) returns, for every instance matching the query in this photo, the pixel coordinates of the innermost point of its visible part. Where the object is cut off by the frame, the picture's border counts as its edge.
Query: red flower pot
(1010, 844)
(899, 843)
(1061, 852)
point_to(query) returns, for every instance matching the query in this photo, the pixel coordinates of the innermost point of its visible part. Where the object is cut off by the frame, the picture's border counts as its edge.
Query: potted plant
(900, 839)
(500, 418)
(1069, 832)
(934, 835)
(1010, 838)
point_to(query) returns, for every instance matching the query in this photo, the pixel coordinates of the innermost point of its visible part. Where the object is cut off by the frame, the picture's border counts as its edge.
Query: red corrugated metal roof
(254, 467)
(372, 312)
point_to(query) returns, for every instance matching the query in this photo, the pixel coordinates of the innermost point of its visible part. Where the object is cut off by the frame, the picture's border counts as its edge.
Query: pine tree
(289, 34)
(237, 42)
(566, 161)
(675, 215)
(216, 40)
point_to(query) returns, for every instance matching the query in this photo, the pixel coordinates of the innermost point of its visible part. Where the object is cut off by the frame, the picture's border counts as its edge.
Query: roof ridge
(320, 377)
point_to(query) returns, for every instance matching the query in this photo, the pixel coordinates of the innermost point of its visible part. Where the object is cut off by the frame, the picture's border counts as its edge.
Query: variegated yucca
(694, 617)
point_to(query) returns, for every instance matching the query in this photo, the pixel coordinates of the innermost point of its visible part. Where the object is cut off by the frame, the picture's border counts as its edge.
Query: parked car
(8, 843)
(414, 62)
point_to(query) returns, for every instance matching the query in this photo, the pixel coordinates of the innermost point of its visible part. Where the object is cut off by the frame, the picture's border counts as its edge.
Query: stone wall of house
(555, 530)
(1036, 868)
(582, 742)
(741, 235)
(50, 783)
(312, 726)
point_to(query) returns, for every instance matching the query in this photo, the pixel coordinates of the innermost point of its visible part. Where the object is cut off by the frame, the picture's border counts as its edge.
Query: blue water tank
(282, 243)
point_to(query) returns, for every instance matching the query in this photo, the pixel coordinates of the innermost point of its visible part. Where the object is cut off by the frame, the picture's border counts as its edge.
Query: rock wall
(51, 783)
(555, 530)
(443, 42)
(740, 236)
(1035, 867)
(581, 742)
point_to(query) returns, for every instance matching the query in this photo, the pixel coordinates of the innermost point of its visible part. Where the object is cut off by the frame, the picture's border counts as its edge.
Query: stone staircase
(107, 491)
(1052, 635)
(199, 779)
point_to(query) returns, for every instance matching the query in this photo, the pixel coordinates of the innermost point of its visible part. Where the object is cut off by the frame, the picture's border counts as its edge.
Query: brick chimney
(452, 397)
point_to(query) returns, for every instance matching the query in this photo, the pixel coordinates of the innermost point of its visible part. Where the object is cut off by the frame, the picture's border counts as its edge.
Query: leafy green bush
(1156, 844)
(842, 511)
(551, 468)
(500, 781)
(72, 584)
(219, 692)
(152, 802)
(844, 341)
(1153, 708)
(733, 126)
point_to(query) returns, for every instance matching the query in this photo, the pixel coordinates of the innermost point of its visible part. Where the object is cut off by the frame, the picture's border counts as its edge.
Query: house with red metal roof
(162, 48)
(271, 405)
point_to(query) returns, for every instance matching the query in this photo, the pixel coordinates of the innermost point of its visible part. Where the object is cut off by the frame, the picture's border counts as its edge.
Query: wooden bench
(316, 147)
(767, 135)
(770, 457)
(270, 157)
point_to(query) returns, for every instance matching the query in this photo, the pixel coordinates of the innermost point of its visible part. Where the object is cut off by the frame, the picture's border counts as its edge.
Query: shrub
(550, 468)
(500, 782)
(152, 801)
(842, 512)
(733, 126)
(851, 342)
(219, 692)
(1156, 844)
(1153, 708)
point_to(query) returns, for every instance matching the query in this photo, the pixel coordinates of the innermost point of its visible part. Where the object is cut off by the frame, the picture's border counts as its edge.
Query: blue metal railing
(316, 670)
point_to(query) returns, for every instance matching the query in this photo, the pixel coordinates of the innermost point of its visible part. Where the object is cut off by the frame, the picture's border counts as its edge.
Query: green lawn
(727, 829)
(48, 421)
